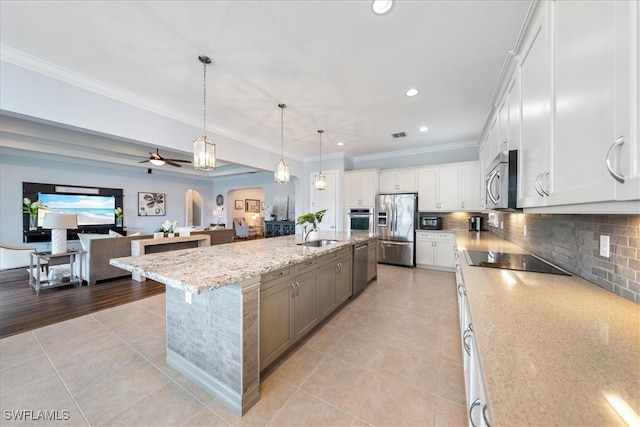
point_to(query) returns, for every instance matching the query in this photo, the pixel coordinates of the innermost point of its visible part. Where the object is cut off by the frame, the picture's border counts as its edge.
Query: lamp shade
(60, 221)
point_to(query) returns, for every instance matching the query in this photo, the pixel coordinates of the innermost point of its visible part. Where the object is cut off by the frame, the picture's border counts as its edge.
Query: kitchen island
(213, 307)
(553, 350)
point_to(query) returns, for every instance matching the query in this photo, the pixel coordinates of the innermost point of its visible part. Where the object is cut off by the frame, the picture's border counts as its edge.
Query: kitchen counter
(201, 270)
(554, 350)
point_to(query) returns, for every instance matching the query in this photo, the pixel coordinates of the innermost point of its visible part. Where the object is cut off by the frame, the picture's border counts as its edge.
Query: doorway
(193, 208)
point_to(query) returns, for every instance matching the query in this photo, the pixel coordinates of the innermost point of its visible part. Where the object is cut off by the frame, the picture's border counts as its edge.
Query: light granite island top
(200, 270)
(213, 307)
(555, 350)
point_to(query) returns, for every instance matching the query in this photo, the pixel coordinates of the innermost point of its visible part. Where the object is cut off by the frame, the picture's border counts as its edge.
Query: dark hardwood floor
(22, 310)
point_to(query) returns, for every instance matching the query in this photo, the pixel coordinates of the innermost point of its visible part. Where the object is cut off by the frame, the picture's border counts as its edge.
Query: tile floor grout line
(64, 384)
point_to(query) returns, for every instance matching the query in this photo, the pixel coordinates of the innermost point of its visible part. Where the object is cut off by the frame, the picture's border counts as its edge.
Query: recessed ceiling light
(423, 129)
(412, 92)
(380, 7)
(340, 143)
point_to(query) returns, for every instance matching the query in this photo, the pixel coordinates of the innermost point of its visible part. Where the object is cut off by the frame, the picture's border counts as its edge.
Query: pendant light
(204, 150)
(320, 180)
(282, 168)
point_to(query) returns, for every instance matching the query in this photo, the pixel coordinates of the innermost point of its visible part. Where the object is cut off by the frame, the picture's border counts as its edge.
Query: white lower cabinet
(478, 409)
(435, 250)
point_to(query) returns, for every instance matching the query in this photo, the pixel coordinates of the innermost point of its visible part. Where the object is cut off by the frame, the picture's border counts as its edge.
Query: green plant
(311, 218)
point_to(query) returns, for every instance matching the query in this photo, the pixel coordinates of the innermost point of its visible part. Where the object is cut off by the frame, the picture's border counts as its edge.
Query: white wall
(16, 169)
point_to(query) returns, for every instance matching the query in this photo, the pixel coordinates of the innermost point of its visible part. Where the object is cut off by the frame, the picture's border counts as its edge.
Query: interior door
(326, 199)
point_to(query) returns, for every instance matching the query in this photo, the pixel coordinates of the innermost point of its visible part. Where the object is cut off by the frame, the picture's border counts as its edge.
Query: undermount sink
(319, 243)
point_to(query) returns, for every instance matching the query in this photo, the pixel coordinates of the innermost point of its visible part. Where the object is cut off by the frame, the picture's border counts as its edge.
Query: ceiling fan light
(320, 181)
(157, 162)
(204, 153)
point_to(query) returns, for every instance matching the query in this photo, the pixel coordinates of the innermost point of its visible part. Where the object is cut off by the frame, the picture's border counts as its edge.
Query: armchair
(12, 256)
(242, 230)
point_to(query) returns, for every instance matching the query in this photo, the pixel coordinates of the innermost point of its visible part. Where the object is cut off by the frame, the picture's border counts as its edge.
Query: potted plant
(310, 220)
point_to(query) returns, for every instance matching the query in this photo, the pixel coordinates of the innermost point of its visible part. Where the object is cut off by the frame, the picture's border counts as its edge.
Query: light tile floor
(390, 357)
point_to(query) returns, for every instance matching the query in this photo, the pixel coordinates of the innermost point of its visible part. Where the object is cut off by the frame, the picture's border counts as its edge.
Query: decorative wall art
(252, 205)
(219, 200)
(239, 205)
(151, 204)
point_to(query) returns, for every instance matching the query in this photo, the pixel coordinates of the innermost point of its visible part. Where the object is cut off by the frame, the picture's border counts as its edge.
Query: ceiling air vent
(399, 135)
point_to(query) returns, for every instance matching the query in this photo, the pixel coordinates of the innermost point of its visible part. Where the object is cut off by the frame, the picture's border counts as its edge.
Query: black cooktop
(521, 262)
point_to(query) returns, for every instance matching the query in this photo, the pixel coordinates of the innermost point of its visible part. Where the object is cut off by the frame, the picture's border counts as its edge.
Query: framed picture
(151, 204)
(262, 205)
(239, 205)
(252, 205)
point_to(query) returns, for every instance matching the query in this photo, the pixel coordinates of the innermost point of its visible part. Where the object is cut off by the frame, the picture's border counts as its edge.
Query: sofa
(99, 249)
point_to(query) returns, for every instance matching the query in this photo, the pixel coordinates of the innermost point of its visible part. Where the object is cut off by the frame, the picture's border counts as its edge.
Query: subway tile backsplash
(573, 243)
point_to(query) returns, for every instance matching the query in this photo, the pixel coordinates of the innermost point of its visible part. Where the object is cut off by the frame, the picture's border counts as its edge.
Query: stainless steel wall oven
(360, 219)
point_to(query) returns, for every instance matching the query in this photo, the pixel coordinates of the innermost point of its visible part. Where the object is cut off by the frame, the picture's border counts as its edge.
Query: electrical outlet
(604, 246)
(501, 225)
(524, 230)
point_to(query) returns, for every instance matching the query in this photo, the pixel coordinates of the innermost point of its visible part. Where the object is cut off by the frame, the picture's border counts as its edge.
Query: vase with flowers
(168, 227)
(119, 216)
(31, 209)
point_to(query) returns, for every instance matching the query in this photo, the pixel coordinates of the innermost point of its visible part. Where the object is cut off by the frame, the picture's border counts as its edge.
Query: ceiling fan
(158, 160)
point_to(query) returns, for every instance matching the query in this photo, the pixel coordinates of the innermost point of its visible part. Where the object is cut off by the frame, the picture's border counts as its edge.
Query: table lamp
(59, 223)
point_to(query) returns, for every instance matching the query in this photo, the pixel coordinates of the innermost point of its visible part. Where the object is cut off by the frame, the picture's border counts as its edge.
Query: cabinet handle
(537, 185)
(462, 205)
(298, 291)
(618, 176)
(277, 274)
(461, 292)
(467, 334)
(293, 294)
(546, 192)
(493, 176)
(475, 403)
(484, 415)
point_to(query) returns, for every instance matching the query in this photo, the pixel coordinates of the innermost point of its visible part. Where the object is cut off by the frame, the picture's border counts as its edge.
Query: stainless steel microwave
(501, 183)
(430, 222)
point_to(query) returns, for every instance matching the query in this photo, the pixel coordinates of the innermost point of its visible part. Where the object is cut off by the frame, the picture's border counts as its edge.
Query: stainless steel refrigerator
(395, 223)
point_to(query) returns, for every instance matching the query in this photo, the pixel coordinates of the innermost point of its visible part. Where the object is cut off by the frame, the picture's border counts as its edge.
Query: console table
(46, 261)
(279, 228)
(148, 246)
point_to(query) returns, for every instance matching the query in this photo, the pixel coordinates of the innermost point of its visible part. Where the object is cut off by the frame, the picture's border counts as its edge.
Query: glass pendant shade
(157, 162)
(281, 173)
(204, 153)
(204, 150)
(320, 181)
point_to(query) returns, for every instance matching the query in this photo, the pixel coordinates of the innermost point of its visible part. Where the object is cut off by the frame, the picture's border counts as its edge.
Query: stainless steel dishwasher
(360, 260)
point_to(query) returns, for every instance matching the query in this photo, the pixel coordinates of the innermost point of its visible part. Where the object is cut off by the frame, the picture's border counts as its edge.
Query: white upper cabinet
(399, 181)
(361, 187)
(591, 61)
(449, 187)
(534, 73)
(471, 187)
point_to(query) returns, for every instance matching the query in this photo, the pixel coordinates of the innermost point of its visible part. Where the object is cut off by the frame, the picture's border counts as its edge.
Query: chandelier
(204, 150)
(281, 173)
(320, 180)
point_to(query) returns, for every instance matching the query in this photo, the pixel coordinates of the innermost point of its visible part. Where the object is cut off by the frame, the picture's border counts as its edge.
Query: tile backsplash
(573, 243)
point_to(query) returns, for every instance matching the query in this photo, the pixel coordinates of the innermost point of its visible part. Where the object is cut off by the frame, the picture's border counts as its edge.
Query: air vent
(399, 135)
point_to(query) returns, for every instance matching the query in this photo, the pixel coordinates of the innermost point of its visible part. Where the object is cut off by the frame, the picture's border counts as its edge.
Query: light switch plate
(604, 246)
(524, 230)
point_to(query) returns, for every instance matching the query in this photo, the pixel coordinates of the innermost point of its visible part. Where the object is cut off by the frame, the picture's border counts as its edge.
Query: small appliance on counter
(475, 223)
(430, 222)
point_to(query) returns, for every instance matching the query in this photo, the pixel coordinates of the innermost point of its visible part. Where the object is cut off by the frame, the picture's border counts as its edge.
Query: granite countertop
(555, 350)
(200, 270)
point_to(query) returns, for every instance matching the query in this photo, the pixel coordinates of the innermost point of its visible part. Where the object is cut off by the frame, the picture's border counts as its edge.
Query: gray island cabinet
(233, 309)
